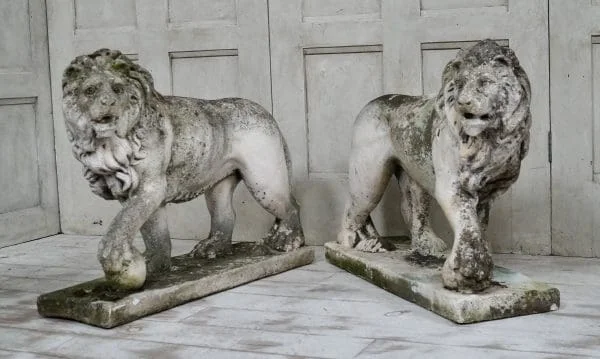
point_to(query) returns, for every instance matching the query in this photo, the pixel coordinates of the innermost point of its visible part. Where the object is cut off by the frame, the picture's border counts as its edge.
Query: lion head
(484, 101)
(485, 88)
(105, 95)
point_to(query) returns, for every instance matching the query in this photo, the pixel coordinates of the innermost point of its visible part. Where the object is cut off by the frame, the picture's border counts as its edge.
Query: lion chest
(488, 168)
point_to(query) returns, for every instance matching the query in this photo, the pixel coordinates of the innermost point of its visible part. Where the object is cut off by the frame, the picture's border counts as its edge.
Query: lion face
(482, 90)
(103, 100)
(102, 105)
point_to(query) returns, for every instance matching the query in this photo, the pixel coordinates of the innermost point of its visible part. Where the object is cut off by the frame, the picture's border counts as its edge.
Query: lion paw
(284, 238)
(365, 239)
(374, 245)
(123, 265)
(212, 247)
(429, 244)
(468, 274)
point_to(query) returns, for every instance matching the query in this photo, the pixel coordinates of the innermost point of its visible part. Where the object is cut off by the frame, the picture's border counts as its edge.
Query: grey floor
(316, 311)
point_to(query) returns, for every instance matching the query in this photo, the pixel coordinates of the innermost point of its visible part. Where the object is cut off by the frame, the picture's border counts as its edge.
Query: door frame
(30, 86)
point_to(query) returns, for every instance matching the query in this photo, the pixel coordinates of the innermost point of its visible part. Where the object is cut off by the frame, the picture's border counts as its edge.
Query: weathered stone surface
(101, 303)
(147, 150)
(462, 147)
(418, 279)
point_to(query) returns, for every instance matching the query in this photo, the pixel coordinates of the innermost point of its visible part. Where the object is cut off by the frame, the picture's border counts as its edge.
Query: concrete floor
(316, 311)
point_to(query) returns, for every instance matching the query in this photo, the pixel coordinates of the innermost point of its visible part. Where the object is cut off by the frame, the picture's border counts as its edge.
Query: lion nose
(464, 102)
(107, 100)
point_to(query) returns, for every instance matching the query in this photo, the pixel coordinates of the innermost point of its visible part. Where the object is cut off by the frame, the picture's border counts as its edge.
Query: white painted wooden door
(28, 202)
(198, 48)
(575, 106)
(324, 60)
(329, 57)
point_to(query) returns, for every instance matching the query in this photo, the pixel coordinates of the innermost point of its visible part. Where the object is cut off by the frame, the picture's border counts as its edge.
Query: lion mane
(489, 160)
(110, 144)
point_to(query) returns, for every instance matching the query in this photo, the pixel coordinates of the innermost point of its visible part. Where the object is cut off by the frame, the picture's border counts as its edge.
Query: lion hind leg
(267, 177)
(222, 218)
(416, 209)
(369, 174)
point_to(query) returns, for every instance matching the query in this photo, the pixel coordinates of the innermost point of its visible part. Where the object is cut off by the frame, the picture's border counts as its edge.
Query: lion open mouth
(473, 124)
(471, 116)
(104, 126)
(105, 119)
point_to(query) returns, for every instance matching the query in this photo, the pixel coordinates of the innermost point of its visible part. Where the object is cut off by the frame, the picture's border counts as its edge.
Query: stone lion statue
(462, 147)
(147, 150)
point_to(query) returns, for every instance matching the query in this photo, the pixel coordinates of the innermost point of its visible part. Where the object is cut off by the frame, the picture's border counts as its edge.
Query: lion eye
(90, 90)
(118, 89)
(450, 87)
(483, 82)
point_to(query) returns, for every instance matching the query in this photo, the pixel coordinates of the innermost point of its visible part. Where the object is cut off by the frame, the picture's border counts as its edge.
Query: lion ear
(502, 61)
(142, 80)
(454, 65)
(450, 71)
(120, 65)
(71, 72)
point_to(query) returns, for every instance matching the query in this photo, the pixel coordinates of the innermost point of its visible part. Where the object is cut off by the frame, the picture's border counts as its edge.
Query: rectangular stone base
(97, 303)
(420, 282)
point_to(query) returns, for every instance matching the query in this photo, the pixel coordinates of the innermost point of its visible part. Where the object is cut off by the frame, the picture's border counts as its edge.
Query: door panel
(19, 158)
(327, 62)
(198, 48)
(328, 84)
(575, 104)
(28, 202)
(329, 58)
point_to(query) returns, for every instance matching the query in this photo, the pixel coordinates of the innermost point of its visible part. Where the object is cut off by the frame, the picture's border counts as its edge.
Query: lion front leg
(469, 266)
(122, 263)
(157, 240)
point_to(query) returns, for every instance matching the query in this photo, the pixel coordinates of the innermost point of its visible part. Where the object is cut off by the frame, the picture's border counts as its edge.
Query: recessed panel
(14, 34)
(456, 6)
(202, 11)
(434, 62)
(596, 105)
(436, 56)
(338, 86)
(208, 77)
(18, 156)
(314, 9)
(93, 14)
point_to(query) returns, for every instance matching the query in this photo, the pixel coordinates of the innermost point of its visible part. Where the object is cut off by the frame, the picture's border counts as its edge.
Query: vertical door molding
(575, 108)
(28, 203)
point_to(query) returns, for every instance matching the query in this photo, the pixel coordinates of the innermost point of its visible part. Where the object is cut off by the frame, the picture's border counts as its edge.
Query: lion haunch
(462, 147)
(147, 150)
